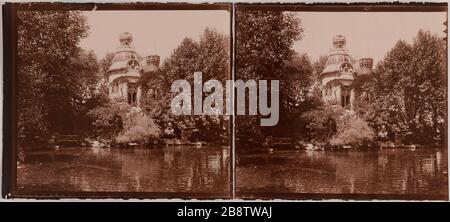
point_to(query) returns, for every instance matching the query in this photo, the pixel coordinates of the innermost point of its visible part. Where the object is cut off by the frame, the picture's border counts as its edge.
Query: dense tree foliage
(407, 93)
(352, 130)
(334, 126)
(55, 77)
(322, 123)
(63, 89)
(295, 96)
(108, 119)
(138, 127)
(210, 56)
(264, 41)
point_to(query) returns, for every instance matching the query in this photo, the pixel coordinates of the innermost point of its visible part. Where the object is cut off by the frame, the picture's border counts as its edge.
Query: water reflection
(401, 171)
(169, 169)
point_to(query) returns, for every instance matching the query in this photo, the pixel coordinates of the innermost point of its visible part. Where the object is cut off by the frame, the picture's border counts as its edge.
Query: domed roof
(338, 55)
(124, 53)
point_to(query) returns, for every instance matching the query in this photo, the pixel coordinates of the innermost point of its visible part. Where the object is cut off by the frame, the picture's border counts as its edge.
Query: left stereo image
(91, 95)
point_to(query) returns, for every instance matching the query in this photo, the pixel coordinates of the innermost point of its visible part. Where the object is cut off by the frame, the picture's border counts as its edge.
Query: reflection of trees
(411, 172)
(172, 169)
(364, 172)
(176, 169)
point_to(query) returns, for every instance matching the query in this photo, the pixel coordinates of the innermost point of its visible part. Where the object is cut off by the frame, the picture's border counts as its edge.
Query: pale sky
(367, 33)
(370, 34)
(154, 32)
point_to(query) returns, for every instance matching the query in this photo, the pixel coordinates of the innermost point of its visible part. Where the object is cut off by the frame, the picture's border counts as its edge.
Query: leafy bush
(138, 127)
(331, 124)
(322, 122)
(407, 93)
(108, 120)
(352, 130)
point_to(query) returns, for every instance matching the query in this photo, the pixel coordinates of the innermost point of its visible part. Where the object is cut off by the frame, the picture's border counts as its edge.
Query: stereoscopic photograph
(226, 101)
(93, 102)
(362, 104)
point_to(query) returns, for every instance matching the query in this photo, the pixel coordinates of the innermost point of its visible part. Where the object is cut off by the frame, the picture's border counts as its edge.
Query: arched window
(345, 98)
(132, 95)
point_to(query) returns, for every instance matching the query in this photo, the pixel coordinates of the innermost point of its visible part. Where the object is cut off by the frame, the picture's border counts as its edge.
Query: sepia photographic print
(225, 101)
(362, 103)
(93, 96)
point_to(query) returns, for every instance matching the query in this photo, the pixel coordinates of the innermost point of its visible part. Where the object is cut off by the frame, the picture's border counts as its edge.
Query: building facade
(126, 69)
(340, 72)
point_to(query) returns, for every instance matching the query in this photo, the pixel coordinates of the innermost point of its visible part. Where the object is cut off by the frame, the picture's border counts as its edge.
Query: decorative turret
(126, 69)
(125, 72)
(339, 78)
(365, 66)
(151, 63)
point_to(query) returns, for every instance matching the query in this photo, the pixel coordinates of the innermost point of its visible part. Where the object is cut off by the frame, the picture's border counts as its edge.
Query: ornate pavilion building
(340, 72)
(126, 69)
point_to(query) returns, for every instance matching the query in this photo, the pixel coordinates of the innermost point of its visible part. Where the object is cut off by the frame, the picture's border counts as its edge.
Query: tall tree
(210, 56)
(295, 88)
(55, 75)
(214, 56)
(183, 61)
(408, 90)
(264, 41)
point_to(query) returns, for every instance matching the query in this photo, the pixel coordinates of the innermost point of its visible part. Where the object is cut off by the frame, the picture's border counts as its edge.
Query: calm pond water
(206, 170)
(168, 169)
(388, 171)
